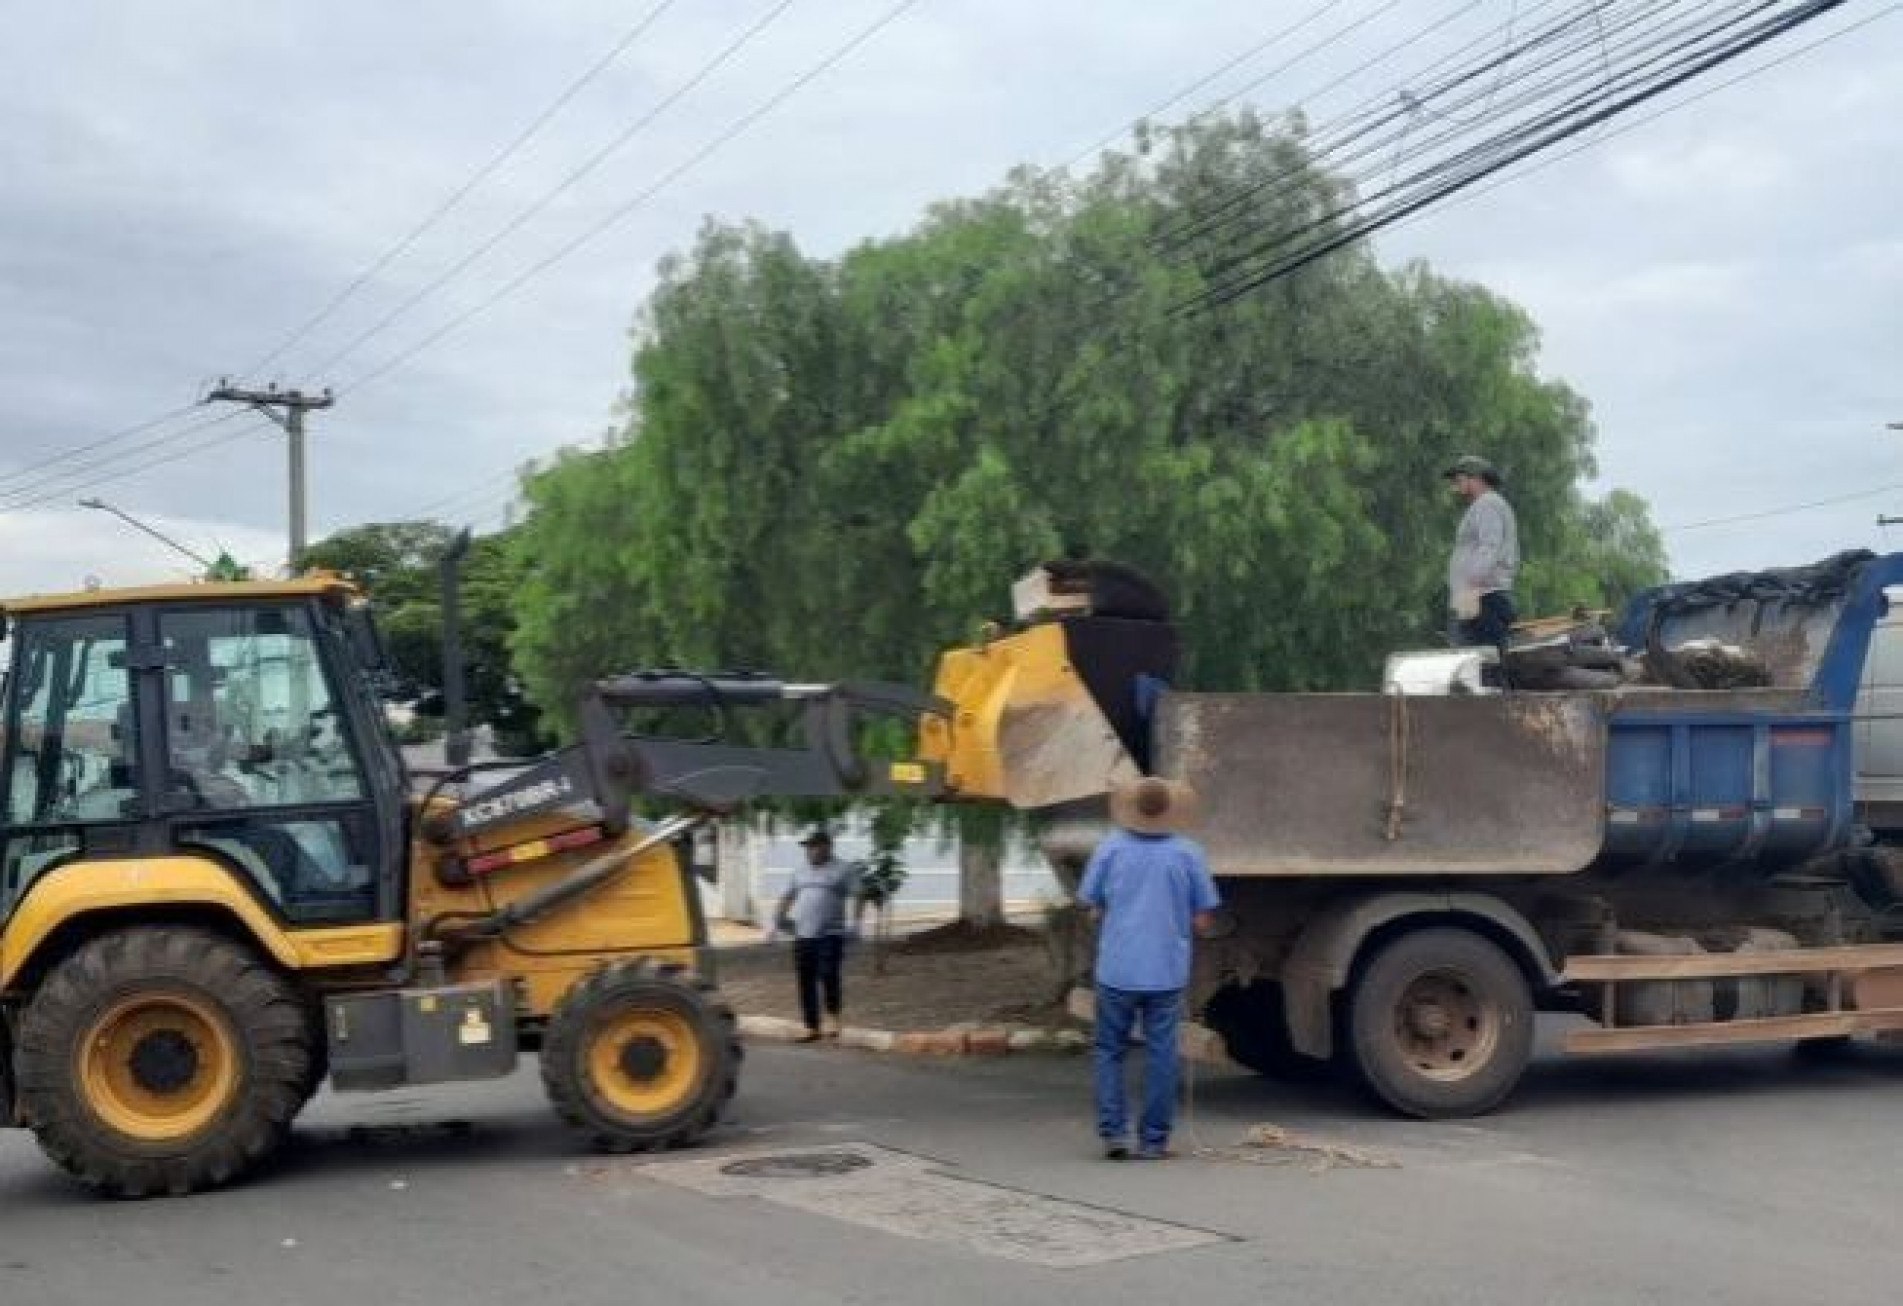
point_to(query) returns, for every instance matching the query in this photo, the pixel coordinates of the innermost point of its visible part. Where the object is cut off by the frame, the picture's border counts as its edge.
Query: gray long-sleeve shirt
(1486, 550)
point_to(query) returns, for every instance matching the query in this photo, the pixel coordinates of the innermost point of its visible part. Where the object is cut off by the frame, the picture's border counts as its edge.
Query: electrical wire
(1238, 214)
(620, 214)
(1766, 514)
(1266, 43)
(81, 475)
(447, 206)
(1323, 146)
(1633, 124)
(1263, 79)
(1676, 40)
(114, 437)
(1492, 156)
(541, 204)
(215, 442)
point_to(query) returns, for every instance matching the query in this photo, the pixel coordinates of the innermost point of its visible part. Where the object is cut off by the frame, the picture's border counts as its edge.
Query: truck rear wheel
(161, 1060)
(1440, 1024)
(640, 1057)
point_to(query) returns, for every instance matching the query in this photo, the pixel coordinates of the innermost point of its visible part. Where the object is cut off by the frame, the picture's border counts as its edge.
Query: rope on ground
(1268, 1144)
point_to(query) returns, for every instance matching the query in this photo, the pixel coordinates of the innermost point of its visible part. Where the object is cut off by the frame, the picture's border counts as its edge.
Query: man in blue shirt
(1150, 891)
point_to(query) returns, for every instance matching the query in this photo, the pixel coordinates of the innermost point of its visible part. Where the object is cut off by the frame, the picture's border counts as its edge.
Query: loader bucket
(1052, 714)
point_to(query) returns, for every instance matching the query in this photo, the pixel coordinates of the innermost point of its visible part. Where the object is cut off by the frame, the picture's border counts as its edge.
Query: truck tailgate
(1307, 784)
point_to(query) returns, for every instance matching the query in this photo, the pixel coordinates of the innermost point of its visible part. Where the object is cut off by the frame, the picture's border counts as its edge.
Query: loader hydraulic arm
(610, 768)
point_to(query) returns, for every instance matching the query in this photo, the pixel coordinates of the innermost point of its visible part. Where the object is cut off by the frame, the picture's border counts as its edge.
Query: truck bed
(1508, 785)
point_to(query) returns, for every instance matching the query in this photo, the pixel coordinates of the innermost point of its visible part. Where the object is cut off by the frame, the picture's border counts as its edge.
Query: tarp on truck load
(1315, 784)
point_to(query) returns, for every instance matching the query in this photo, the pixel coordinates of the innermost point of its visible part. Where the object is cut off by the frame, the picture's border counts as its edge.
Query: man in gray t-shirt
(1486, 557)
(813, 911)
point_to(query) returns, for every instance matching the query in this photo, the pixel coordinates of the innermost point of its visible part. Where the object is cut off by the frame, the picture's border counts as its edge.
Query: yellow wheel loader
(220, 888)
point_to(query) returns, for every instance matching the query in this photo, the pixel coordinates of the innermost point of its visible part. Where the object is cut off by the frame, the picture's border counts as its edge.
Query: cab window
(70, 756)
(261, 769)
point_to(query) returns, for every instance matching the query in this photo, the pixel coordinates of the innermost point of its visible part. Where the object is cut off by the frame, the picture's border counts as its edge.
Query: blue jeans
(1118, 1011)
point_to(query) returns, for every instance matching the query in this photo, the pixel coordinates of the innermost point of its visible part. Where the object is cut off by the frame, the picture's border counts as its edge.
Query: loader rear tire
(1440, 1024)
(162, 1060)
(641, 1057)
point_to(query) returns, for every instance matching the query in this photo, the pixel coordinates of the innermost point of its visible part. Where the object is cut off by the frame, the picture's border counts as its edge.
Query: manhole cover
(796, 1165)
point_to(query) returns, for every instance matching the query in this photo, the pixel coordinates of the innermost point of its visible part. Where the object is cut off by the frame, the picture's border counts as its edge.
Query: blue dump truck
(1409, 877)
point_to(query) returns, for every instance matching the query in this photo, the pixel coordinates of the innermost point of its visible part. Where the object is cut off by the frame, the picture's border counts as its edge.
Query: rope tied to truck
(1400, 724)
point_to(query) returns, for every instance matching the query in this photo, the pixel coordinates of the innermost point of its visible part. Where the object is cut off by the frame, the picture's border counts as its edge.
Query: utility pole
(294, 403)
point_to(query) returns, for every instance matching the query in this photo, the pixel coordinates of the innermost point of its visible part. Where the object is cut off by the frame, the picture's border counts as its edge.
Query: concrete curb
(1195, 1042)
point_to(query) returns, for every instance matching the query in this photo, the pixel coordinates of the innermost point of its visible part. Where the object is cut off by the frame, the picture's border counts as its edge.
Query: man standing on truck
(1149, 889)
(1486, 557)
(813, 911)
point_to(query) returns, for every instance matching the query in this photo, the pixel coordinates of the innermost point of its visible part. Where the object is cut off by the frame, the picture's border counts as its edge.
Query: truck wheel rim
(159, 1067)
(1445, 1027)
(645, 1062)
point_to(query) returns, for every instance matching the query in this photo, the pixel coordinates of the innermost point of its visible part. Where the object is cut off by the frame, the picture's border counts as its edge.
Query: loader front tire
(161, 1060)
(640, 1057)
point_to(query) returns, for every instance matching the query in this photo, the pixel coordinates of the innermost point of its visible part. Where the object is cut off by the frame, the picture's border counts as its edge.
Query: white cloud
(187, 182)
(65, 549)
(1719, 170)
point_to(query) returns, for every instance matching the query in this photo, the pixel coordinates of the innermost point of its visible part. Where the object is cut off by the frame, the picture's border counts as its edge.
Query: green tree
(835, 467)
(398, 564)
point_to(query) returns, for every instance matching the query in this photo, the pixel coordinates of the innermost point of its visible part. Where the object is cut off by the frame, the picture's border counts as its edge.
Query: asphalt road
(1736, 1178)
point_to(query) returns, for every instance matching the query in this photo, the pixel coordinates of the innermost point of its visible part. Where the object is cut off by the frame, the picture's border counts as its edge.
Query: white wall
(754, 865)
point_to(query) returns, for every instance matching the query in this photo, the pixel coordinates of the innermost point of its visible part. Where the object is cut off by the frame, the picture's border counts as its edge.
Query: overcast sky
(186, 183)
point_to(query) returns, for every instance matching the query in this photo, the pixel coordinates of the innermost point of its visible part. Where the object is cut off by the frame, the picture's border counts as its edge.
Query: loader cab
(233, 722)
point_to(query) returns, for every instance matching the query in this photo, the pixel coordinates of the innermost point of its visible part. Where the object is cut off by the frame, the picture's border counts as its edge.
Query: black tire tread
(563, 1051)
(1366, 1022)
(265, 1011)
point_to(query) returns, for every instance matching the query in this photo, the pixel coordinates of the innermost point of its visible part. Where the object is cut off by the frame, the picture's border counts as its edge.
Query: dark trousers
(817, 964)
(1492, 626)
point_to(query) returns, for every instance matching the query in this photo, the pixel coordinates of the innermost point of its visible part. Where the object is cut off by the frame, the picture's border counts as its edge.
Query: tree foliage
(397, 563)
(835, 466)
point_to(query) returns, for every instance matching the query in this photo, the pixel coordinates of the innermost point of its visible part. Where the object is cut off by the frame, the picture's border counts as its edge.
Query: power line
(1300, 58)
(1634, 124)
(548, 197)
(1785, 511)
(620, 214)
(482, 174)
(1268, 42)
(124, 433)
(1324, 145)
(1450, 176)
(79, 476)
(224, 438)
(1238, 211)
(477, 490)
(1491, 147)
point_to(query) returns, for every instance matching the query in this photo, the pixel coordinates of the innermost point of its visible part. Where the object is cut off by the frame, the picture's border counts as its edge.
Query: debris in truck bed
(1707, 664)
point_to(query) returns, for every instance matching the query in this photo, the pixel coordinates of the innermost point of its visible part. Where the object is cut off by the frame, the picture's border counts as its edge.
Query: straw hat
(1153, 806)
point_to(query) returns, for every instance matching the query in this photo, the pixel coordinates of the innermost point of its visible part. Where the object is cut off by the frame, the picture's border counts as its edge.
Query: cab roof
(235, 591)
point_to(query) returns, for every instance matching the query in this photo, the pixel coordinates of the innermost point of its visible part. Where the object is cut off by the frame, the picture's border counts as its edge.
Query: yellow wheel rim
(159, 1067)
(644, 1061)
